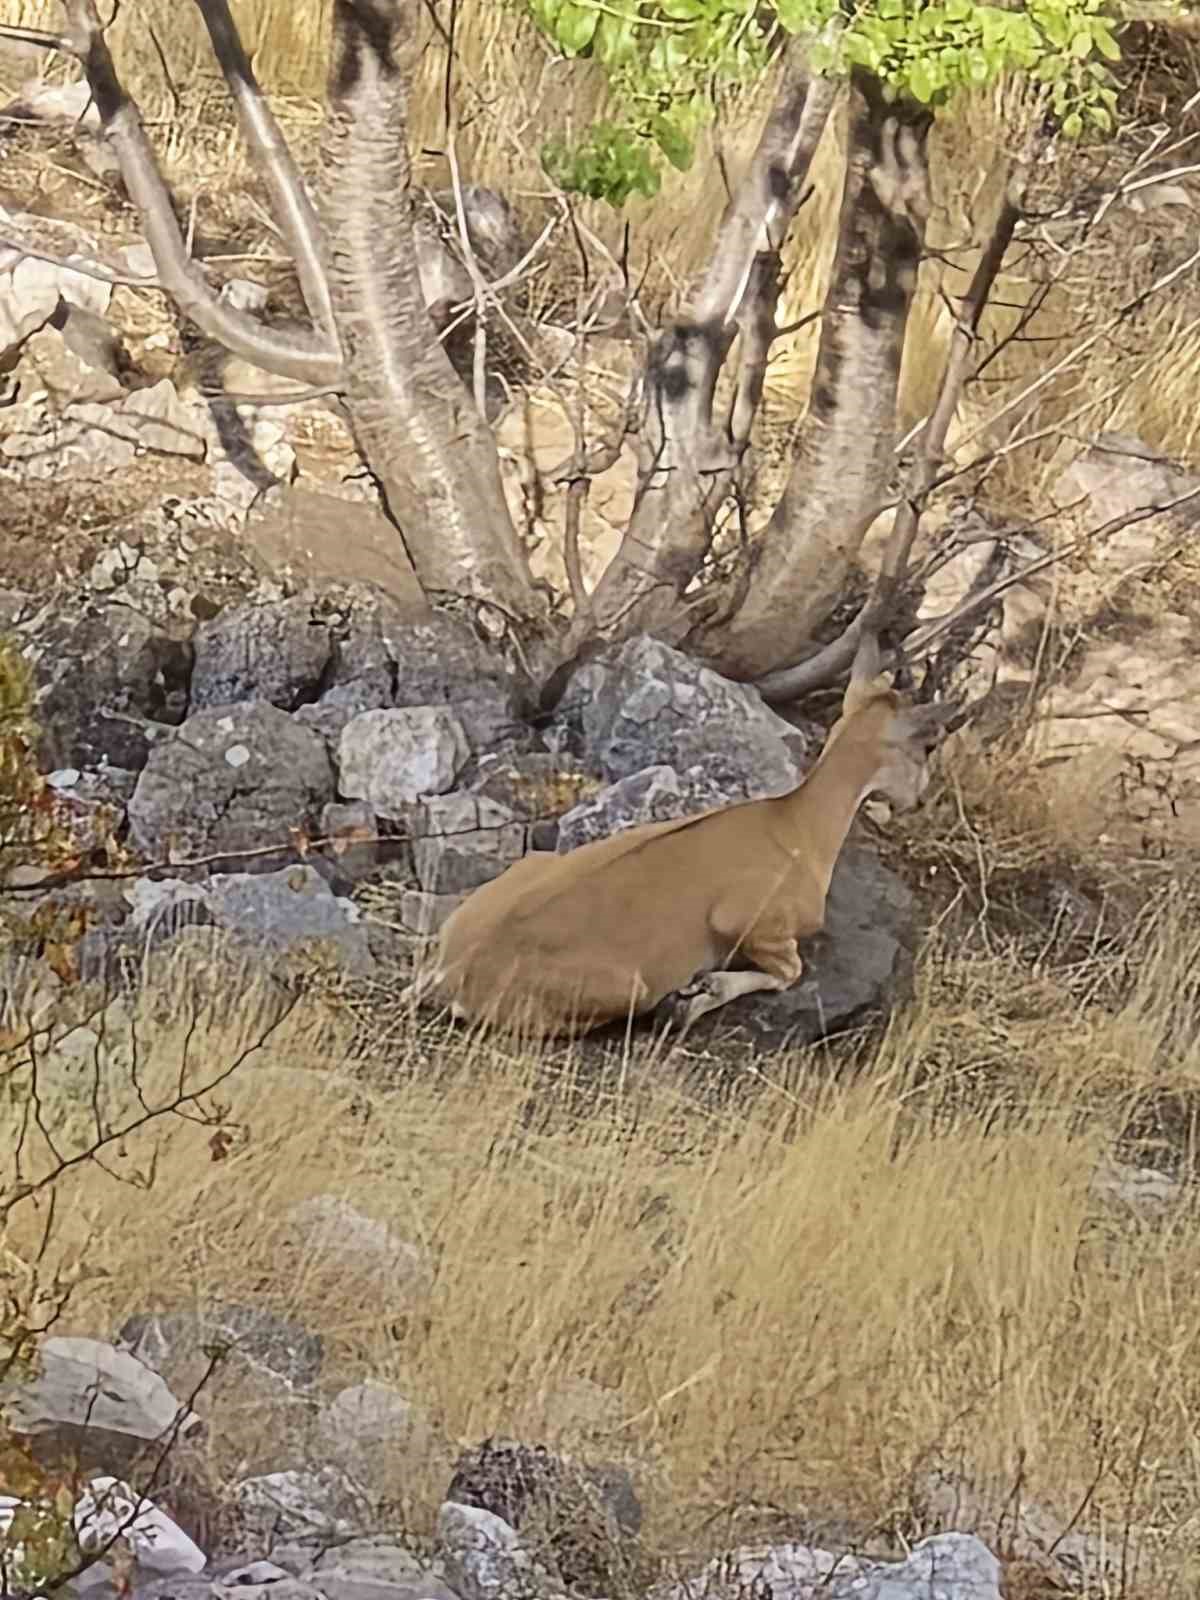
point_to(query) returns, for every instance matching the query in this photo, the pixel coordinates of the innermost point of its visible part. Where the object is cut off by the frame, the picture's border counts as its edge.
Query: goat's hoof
(681, 1009)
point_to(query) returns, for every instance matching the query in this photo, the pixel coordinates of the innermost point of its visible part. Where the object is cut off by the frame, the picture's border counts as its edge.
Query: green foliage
(664, 58)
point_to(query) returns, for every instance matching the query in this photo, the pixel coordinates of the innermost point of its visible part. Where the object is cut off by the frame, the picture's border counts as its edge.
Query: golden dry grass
(806, 1280)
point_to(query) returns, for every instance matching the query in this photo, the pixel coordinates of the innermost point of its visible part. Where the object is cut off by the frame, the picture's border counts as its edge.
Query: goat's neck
(817, 816)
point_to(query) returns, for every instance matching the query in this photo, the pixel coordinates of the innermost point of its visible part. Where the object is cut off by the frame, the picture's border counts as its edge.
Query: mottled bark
(791, 683)
(414, 422)
(687, 456)
(844, 454)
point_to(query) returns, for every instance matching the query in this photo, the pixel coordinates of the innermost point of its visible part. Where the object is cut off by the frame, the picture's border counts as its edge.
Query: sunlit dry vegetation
(809, 1284)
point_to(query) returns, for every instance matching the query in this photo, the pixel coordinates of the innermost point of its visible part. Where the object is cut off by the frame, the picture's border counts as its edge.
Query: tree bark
(687, 457)
(844, 456)
(414, 422)
(790, 683)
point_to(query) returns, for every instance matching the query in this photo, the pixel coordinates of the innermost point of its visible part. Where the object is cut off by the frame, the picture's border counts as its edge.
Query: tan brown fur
(562, 944)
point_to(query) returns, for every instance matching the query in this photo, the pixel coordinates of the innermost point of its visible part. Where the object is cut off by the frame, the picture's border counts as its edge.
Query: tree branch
(688, 459)
(290, 204)
(299, 354)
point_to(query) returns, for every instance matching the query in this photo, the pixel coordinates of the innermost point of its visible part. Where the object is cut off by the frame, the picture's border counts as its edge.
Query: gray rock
(656, 794)
(583, 1514)
(296, 1507)
(277, 910)
(950, 1566)
(439, 662)
(861, 964)
(107, 680)
(332, 1228)
(392, 758)
(64, 373)
(371, 1417)
(231, 779)
(484, 1558)
(263, 1580)
(376, 1569)
(661, 793)
(651, 705)
(1070, 1558)
(90, 1385)
(337, 707)
(352, 830)
(275, 652)
(271, 1344)
(461, 841)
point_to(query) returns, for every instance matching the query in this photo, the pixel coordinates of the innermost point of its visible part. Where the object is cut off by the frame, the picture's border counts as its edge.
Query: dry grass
(807, 1284)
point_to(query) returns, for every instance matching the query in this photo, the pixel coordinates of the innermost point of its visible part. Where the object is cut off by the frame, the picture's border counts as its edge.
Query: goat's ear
(866, 679)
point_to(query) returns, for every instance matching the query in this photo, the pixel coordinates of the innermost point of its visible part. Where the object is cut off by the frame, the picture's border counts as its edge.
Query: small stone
(484, 1558)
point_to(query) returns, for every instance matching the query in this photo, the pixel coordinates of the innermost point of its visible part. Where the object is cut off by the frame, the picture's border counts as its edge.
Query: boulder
(368, 1418)
(309, 1509)
(484, 1558)
(860, 965)
(581, 1515)
(337, 1234)
(435, 663)
(109, 685)
(391, 759)
(277, 910)
(950, 1566)
(275, 653)
(173, 1342)
(89, 1387)
(231, 779)
(649, 705)
(462, 841)
(656, 794)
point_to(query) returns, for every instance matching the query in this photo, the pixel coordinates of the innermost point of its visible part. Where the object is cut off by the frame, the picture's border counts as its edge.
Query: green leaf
(615, 41)
(920, 82)
(674, 142)
(1072, 125)
(1081, 44)
(1105, 43)
(575, 26)
(979, 68)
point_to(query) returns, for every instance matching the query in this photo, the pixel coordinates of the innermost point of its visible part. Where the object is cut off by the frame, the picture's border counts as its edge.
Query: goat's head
(904, 732)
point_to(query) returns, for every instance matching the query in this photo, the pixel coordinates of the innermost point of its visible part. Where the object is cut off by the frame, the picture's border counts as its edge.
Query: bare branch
(290, 204)
(296, 354)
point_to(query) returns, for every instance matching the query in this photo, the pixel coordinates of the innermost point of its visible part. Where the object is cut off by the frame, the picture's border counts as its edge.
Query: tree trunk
(687, 458)
(844, 456)
(414, 422)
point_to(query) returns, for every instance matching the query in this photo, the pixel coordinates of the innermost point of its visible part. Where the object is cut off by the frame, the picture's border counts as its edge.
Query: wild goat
(563, 944)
